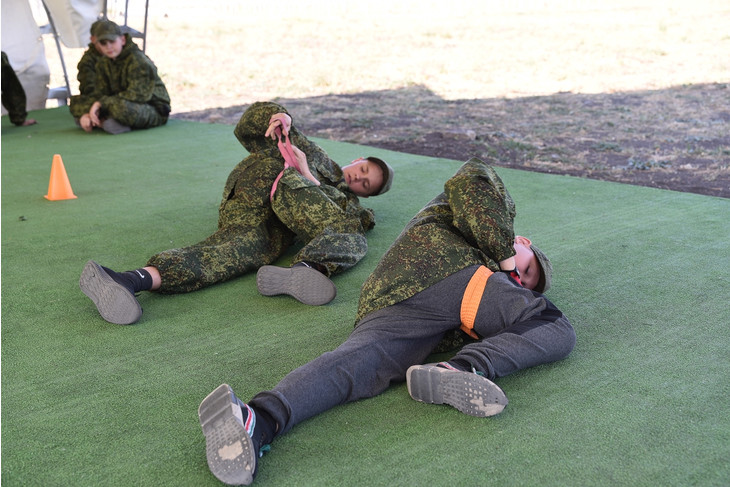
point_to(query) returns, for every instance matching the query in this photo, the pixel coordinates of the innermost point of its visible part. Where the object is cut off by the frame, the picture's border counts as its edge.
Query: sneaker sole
(113, 301)
(470, 393)
(304, 284)
(228, 447)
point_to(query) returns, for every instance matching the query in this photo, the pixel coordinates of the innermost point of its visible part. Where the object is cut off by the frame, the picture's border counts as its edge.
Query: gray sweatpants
(520, 329)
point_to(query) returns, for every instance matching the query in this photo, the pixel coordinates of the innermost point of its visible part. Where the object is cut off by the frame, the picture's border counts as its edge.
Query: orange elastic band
(472, 298)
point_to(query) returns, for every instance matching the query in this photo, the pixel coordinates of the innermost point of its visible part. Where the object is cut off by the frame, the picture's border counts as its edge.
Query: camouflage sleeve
(13, 94)
(470, 223)
(252, 126)
(483, 209)
(140, 77)
(81, 104)
(87, 70)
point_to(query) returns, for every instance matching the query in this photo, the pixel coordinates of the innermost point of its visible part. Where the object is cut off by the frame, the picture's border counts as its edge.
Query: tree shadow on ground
(676, 138)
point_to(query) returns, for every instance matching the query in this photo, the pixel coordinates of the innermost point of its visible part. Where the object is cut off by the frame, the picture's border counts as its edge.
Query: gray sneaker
(116, 303)
(228, 426)
(113, 127)
(468, 392)
(306, 285)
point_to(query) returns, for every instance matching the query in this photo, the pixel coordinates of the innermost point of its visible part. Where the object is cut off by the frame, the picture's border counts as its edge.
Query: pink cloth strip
(289, 159)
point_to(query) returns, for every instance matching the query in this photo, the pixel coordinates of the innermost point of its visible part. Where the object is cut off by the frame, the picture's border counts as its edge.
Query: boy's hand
(85, 122)
(303, 166)
(278, 120)
(94, 114)
(515, 274)
(508, 264)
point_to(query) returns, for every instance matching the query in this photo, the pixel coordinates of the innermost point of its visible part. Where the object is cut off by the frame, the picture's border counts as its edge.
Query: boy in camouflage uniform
(456, 266)
(321, 210)
(128, 92)
(13, 95)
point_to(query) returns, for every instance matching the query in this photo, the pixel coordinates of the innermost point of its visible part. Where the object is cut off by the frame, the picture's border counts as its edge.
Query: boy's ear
(523, 240)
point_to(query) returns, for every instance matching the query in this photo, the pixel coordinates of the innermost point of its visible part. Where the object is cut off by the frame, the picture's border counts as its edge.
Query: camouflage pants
(132, 114)
(332, 238)
(253, 232)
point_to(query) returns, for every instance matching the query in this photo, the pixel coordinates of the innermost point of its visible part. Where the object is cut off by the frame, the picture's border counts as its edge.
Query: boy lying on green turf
(318, 206)
(456, 268)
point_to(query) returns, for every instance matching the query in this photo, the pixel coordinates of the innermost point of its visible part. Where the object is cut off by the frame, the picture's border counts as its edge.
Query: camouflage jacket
(132, 76)
(87, 69)
(470, 223)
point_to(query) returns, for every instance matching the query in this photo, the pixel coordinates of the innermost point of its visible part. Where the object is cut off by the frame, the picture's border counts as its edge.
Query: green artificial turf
(643, 274)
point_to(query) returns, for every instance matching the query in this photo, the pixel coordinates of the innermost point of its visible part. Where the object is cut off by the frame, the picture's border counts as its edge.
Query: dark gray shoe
(113, 127)
(116, 303)
(306, 285)
(468, 392)
(228, 426)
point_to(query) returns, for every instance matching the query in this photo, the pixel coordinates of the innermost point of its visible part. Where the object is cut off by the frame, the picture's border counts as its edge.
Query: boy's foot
(228, 426)
(115, 303)
(113, 127)
(305, 284)
(468, 392)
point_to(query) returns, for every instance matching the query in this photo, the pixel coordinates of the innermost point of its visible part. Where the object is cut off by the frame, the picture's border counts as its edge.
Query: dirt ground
(635, 91)
(674, 140)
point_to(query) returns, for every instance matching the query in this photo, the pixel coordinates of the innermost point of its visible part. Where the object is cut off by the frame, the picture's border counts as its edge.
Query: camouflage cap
(94, 26)
(107, 30)
(388, 174)
(546, 276)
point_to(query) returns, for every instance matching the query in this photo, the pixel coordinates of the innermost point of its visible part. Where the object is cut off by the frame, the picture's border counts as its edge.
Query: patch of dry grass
(225, 52)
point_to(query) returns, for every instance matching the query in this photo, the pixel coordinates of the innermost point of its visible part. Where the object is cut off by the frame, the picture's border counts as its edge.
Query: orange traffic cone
(59, 187)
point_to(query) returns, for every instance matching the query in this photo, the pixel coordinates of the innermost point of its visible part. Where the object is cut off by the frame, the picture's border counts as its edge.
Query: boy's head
(534, 267)
(110, 38)
(368, 176)
(105, 30)
(388, 174)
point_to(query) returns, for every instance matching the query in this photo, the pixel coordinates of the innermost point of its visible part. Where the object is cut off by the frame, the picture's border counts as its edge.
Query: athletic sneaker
(303, 283)
(113, 127)
(468, 392)
(228, 425)
(115, 302)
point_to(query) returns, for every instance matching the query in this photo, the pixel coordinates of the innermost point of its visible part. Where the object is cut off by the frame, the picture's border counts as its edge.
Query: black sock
(136, 280)
(460, 364)
(265, 429)
(312, 265)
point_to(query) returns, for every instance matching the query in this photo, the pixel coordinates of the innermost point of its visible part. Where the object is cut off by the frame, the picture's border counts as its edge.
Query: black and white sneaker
(303, 283)
(228, 425)
(468, 392)
(115, 302)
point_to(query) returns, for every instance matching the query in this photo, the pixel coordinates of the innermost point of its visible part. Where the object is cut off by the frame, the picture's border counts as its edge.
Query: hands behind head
(278, 120)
